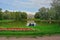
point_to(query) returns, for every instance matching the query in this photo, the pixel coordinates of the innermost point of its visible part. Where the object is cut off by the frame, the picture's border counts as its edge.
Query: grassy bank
(40, 29)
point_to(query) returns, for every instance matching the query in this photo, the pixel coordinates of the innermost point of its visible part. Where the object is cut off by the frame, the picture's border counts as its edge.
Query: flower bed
(16, 29)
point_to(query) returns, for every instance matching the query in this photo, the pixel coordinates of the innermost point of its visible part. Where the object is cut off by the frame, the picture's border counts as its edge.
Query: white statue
(30, 22)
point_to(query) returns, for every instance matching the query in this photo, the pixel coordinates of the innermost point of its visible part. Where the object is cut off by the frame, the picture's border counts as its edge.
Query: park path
(38, 38)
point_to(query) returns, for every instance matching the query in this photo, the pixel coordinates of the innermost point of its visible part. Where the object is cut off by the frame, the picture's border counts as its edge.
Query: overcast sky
(24, 5)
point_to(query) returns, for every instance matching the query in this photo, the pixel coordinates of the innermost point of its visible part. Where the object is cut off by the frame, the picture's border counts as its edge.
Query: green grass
(6, 20)
(41, 29)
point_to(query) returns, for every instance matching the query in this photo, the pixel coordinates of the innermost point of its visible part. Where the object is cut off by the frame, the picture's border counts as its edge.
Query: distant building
(30, 16)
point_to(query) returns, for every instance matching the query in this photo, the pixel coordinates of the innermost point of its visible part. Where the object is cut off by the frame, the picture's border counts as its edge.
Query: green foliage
(56, 6)
(7, 15)
(42, 14)
(23, 15)
(52, 13)
(20, 16)
(0, 13)
(37, 15)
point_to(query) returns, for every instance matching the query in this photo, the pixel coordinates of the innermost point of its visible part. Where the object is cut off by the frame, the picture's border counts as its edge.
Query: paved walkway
(38, 38)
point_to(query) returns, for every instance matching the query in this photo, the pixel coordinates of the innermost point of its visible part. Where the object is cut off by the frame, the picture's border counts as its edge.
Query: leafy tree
(56, 6)
(20, 15)
(37, 15)
(42, 14)
(6, 14)
(17, 16)
(24, 15)
(0, 13)
(52, 13)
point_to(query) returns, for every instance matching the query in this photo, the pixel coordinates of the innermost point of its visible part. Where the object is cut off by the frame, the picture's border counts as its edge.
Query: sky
(29, 6)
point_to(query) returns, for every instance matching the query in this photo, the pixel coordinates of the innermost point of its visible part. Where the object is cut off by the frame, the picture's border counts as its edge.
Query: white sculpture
(30, 22)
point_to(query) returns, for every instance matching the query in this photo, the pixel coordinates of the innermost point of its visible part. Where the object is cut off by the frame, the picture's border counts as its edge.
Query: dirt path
(38, 38)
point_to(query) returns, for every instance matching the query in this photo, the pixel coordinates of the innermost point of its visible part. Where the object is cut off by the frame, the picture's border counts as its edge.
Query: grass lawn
(40, 29)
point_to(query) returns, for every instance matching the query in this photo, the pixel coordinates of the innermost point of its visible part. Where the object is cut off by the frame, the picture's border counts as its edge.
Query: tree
(0, 13)
(46, 14)
(20, 16)
(17, 16)
(52, 13)
(24, 15)
(56, 6)
(42, 14)
(12, 15)
(37, 15)
(6, 14)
